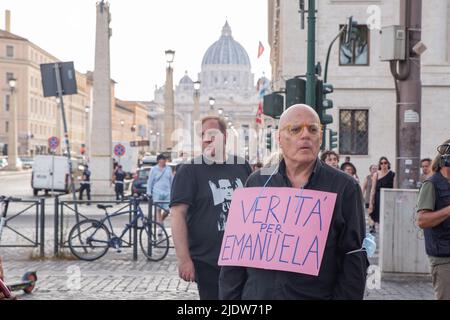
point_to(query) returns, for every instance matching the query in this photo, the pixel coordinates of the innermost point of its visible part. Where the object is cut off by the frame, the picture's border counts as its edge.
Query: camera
(445, 160)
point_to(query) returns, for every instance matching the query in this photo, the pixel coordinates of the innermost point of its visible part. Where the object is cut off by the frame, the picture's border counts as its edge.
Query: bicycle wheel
(89, 240)
(156, 247)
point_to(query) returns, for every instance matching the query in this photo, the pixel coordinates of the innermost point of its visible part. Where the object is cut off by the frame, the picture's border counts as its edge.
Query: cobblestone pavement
(116, 276)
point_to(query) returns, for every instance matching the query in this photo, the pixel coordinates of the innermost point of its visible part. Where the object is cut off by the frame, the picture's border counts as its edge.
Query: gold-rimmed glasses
(296, 129)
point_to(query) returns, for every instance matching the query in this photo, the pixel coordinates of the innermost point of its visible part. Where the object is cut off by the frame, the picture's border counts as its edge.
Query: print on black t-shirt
(222, 192)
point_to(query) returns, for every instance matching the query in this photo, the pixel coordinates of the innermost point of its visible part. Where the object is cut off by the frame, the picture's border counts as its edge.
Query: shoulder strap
(159, 178)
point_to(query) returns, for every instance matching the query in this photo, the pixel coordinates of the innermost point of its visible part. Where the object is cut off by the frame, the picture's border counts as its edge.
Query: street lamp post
(195, 115)
(122, 123)
(158, 141)
(169, 112)
(212, 102)
(196, 101)
(12, 130)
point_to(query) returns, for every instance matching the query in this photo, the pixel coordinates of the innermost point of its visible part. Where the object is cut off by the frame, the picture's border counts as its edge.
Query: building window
(6, 126)
(10, 51)
(354, 132)
(356, 51)
(9, 75)
(7, 102)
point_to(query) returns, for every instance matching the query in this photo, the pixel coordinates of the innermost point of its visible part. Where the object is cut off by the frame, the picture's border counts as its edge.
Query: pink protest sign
(277, 228)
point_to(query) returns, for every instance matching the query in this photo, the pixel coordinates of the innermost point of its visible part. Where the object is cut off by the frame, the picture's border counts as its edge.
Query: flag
(259, 113)
(260, 49)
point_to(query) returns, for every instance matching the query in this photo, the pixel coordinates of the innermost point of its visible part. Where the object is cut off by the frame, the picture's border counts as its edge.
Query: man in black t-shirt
(200, 198)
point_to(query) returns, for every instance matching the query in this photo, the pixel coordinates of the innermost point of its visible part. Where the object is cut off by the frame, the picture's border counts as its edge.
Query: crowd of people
(202, 190)
(199, 196)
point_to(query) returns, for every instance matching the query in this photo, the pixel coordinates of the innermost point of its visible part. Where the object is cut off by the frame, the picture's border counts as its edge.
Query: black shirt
(207, 189)
(86, 176)
(341, 276)
(120, 175)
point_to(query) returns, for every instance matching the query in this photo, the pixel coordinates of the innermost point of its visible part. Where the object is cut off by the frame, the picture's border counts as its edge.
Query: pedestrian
(85, 184)
(350, 169)
(433, 216)
(158, 186)
(331, 158)
(342, 275)
(118, 181)
(425, 165)
(383, 178)
(367, 184)
(201, 196)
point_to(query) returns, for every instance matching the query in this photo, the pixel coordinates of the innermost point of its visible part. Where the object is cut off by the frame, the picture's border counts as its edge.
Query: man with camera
(433, 215)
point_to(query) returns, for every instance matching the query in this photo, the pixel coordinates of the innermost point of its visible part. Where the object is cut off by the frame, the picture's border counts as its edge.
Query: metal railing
(37, 207)
(65, 211)
(65, 215)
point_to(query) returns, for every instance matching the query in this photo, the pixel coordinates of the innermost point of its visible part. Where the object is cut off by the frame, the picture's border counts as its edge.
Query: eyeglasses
(296, 129)
(383, 162)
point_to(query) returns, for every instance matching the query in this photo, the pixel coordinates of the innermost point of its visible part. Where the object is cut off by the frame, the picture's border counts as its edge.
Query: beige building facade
(364, 95)
(38, 118)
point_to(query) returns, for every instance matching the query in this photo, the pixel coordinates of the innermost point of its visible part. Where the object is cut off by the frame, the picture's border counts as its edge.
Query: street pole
(409, 96)
(66, 138)
(12, 137)
(311, 58)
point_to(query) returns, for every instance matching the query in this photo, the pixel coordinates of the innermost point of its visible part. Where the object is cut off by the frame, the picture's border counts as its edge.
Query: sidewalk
(117, 276)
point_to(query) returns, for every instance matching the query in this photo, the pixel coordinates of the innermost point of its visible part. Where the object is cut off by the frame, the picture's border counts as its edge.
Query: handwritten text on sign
(279, 229)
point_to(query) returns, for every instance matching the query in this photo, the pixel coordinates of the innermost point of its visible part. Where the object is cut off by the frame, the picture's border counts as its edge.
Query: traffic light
(273, 105)
(333, 139)
(269, 138)
(295, 91)
(322, 103)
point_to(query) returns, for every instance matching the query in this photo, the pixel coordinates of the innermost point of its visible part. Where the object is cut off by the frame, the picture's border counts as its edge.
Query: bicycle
(29, 278)
(91, 239)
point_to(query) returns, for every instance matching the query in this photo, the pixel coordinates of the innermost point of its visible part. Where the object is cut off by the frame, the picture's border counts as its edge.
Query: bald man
(342, 275)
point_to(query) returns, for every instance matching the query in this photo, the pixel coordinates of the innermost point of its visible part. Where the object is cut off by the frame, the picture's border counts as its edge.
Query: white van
(51, 173)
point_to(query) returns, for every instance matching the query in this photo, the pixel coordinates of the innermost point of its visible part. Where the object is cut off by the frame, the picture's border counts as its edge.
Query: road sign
(119, 150)
(140, 143)
(53, 143)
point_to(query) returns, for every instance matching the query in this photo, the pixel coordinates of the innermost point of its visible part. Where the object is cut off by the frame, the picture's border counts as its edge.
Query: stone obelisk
(101, 131)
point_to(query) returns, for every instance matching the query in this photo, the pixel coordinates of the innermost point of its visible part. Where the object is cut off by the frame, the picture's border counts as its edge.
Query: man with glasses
(200, 199)
(433, 215)
(342, 274)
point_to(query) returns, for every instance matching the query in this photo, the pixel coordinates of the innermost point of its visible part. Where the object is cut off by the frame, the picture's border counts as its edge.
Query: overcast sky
(142, 31)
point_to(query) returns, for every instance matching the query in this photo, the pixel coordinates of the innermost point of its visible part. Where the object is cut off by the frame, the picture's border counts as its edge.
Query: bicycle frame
(133, 222)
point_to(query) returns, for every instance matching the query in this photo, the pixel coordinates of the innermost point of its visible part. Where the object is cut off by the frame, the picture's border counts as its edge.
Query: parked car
(148, 160)
(139, 184)
(3, 163)
(27, 162)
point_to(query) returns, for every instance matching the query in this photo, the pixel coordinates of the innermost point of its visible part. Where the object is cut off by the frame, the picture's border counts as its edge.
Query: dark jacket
(341, 276)
(437, 239)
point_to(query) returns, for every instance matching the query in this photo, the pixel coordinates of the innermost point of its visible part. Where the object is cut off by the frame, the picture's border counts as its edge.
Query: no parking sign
(53, 143)
(119, 150)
